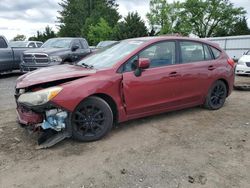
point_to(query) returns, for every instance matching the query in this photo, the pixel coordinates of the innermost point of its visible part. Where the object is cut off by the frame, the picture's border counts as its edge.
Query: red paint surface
(28, 117)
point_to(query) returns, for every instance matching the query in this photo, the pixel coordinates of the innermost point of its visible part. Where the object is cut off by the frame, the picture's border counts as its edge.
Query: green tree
(43, 36)
(106, 9)
(99, 32)
(132, 26)
(72, 17)
(78, 15)
(167, 18)
(240, 28)
(19, 38)
(204, 18)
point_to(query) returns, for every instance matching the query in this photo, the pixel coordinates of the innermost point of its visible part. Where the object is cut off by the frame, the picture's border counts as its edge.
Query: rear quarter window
(216, 52)
(3, 43)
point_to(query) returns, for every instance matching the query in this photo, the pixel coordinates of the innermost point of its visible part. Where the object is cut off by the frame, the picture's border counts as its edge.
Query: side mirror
(143, 63)
(74, 48)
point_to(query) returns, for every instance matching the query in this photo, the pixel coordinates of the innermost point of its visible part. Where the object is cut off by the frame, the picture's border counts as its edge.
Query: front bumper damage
(51, 122)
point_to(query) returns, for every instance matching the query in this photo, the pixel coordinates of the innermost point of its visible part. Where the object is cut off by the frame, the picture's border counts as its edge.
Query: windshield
(57, 43)
(109, 56)
(18, 43)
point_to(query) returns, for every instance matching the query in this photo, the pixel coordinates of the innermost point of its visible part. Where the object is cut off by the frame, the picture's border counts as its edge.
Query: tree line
(99, 20)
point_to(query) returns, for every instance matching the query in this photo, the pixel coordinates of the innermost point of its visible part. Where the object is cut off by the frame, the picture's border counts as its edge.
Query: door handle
(211, 67)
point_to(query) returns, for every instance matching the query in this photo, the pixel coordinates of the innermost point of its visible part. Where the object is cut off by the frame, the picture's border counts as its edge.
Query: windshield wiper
(87, 66)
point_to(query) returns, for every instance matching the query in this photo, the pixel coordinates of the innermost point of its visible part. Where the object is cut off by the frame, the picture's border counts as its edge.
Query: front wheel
(216, 96)
(91, 120)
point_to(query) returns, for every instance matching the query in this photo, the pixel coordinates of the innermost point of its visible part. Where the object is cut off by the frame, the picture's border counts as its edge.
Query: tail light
(231, 62)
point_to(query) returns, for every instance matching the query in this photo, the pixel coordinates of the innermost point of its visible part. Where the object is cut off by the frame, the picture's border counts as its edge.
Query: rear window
(216, 52)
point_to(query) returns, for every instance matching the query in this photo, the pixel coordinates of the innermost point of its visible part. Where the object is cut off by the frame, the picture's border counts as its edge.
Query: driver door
(155, 89)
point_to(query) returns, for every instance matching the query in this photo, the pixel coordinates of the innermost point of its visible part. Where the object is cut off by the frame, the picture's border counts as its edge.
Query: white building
(235, 46)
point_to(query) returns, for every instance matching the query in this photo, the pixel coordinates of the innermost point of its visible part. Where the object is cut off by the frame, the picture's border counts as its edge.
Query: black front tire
(216, 96)
(91, 120)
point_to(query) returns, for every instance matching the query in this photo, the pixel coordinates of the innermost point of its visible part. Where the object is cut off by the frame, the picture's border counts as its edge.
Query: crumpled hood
(53, 73)
(46, 50)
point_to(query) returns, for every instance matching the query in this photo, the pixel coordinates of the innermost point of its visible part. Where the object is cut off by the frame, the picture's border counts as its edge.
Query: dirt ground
(188, 148)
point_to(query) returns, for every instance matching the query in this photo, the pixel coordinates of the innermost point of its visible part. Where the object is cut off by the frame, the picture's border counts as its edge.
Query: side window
(208, 55)
(77, 43)
(84, 44)
(39, 44)
(131, 64)
(32, 45)
(159, 54)
(191, 51)
(216, 52)
(3, 43)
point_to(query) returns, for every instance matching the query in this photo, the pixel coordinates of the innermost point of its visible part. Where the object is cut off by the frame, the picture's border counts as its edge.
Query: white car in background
(243, 65)
(26, 44)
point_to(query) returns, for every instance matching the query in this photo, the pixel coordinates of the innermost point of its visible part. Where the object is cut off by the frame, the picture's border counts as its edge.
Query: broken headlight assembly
(39, 97)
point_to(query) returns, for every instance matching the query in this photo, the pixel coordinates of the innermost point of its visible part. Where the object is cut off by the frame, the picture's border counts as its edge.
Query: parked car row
(25, 44)
(55, 51)
(18, 55)
(31, 55)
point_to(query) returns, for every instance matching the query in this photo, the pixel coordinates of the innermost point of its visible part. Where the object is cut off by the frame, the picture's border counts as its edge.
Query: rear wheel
(92, 119)
(216, 96)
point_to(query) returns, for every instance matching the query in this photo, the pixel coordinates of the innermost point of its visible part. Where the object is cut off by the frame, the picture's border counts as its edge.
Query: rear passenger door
(196, 71)
(6, 56)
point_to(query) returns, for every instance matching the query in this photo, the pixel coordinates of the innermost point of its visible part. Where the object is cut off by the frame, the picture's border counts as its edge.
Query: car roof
(172, 37)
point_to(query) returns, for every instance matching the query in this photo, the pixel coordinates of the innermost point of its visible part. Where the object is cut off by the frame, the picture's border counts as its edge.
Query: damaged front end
(37, 113)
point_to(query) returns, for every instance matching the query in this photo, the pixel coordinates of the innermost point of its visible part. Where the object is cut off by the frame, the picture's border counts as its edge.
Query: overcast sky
(28, 16)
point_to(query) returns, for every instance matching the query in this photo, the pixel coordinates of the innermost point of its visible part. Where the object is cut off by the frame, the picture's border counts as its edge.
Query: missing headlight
(55, 119)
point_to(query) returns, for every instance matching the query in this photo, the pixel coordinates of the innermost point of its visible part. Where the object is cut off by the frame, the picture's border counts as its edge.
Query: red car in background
(131, 79)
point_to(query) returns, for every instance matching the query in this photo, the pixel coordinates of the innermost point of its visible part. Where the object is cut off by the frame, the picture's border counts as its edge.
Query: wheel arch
(226, 83)
(111, 102)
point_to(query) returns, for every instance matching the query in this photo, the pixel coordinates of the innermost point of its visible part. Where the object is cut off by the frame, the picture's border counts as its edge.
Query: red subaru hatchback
(131, 79)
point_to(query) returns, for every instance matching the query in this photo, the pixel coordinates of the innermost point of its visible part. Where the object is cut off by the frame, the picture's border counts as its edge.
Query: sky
(27, 16)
